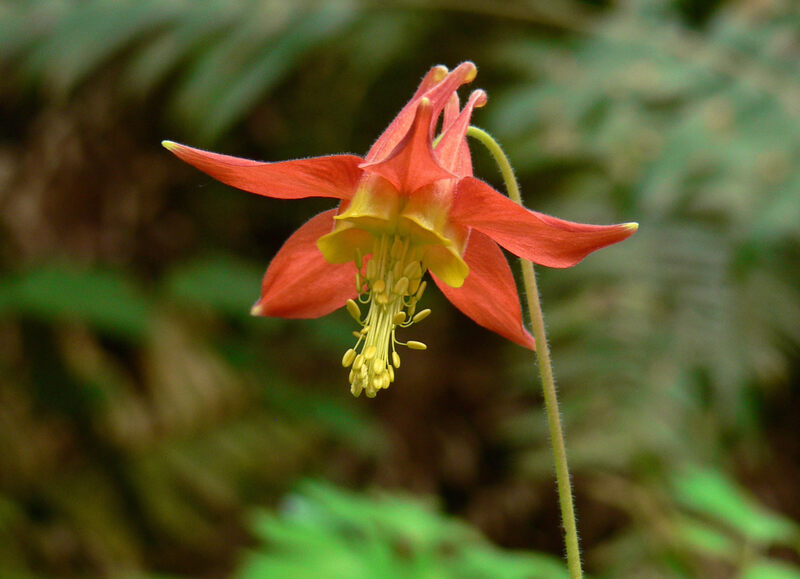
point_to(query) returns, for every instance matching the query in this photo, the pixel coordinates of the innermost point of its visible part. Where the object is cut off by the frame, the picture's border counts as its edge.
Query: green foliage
(170, 433)
(218, 283)
(323, 531)
(696, 137)
(712, 494)
(722, 521)
(106, 300)
(770, 570)
(217, 58)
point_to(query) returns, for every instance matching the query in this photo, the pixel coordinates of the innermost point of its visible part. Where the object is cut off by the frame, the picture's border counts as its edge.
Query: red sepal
(299, 283)
(333, 176)
(489, 294)
(412, 164)
(533, 236)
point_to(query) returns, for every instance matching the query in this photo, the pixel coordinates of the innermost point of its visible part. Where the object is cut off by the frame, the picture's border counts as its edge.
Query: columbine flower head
(409, 207)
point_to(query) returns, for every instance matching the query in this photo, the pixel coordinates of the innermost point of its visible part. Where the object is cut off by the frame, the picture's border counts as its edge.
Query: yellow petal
(446, 264)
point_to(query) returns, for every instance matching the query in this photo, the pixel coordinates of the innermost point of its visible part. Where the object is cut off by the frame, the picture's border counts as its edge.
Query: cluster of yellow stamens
(391, 283)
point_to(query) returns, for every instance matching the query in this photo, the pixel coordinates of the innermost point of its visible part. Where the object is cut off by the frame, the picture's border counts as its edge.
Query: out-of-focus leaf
(706, 540)
(385, 536)
(234, 52)
(23, 25)
(642, 118)
(204, 23)
(219, 282)
(271, 63)
(495, 563)
(771, 570)
(106, 300)
(89, 33)
(711, 493)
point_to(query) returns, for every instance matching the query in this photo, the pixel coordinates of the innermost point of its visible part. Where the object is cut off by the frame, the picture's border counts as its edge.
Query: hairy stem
(545, 368)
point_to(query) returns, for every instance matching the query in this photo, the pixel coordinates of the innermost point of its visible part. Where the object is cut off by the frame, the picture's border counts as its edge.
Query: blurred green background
(149, 427)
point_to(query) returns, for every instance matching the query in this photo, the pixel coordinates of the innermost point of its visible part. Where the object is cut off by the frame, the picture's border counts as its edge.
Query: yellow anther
(421, 315)
(397, 248)
(390, 283)
(401, 286)
(412, 270)
(421, 289)
(372, 268)
(348, 357)
(353, 310)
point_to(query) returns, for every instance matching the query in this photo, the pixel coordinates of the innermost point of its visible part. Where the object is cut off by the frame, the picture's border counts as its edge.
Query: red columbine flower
(411, 205)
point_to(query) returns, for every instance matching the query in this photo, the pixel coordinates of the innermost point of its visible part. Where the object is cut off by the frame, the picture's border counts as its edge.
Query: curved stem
(545, 368)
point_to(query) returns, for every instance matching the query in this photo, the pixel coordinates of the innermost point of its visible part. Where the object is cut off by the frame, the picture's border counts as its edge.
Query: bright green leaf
(712, 493)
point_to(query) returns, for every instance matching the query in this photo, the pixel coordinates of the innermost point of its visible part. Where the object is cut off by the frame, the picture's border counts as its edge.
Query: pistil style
(391, 283)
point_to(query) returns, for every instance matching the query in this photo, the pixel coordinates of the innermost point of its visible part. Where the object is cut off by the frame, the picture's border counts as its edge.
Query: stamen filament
(391, 283)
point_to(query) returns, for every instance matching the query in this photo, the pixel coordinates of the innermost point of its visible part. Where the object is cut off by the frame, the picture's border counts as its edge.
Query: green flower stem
(545, 368)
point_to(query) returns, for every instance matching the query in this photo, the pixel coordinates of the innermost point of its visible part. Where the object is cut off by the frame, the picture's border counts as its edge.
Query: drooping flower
(411, 205)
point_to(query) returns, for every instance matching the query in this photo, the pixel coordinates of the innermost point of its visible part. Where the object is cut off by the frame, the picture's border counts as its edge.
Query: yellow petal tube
(393, 239)
(372, 212)
(425, 219)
